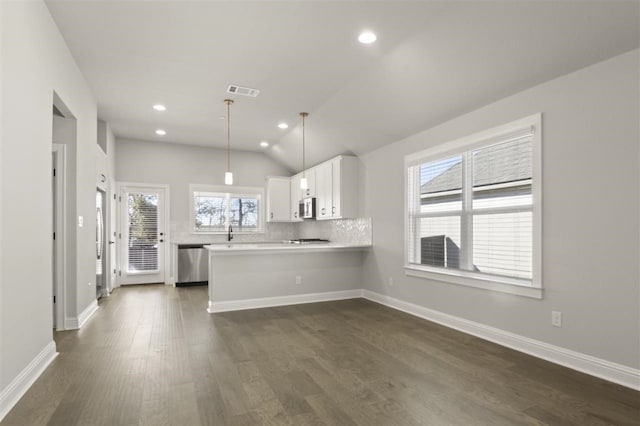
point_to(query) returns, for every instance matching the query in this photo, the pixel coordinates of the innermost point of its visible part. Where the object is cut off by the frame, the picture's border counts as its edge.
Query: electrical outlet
(556, 318)
(80, 221)
(390, 281)
(298, 279)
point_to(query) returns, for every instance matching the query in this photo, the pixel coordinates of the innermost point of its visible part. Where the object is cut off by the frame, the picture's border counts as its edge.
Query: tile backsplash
(345, 231)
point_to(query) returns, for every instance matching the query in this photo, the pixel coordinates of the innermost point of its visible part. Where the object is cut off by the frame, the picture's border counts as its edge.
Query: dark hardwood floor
(152, 356)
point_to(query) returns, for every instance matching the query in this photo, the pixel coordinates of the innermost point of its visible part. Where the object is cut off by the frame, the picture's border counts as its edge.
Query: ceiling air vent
(244, 91)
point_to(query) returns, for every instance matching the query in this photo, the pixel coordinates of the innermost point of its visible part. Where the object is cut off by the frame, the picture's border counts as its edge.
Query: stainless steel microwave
(308, 208)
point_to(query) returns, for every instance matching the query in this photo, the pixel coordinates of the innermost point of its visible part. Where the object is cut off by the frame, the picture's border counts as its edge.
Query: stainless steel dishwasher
(193, 265)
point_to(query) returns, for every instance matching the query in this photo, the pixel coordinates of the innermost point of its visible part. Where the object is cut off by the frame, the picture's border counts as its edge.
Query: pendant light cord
(303, 115)
(228, 102)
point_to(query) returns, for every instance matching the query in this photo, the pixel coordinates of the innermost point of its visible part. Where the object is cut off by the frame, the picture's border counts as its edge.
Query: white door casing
(59, 188)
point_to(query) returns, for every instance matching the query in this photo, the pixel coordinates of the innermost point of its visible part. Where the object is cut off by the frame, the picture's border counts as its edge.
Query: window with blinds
(213, 211)
(472, 209)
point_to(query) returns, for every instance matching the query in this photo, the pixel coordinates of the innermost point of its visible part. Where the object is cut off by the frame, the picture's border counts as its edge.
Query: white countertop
(278, 247)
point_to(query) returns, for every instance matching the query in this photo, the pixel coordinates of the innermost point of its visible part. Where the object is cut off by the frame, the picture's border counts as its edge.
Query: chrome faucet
(230, 233)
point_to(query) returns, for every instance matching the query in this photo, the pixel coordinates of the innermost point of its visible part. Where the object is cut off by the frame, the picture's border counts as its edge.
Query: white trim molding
(616, 373)
(81, 320)
(87, 313)
(267, 302)
(60, 243)
(23, 381)
(454, 276)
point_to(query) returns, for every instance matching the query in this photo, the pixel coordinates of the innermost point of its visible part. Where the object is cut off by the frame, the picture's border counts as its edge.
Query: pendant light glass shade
(228, 176)
(304, 184)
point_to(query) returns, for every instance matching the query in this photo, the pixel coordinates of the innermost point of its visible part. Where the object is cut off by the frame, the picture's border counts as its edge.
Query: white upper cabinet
(310, 174)
(333, 183)
(296, 196)
(337, 188)
(324, 190)
(278, 199)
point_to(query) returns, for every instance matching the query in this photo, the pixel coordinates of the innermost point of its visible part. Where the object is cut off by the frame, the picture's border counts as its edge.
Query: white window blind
(143, 231)
(470, 211)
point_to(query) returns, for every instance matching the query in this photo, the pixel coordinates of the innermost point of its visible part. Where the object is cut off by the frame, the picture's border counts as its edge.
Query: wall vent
(244, 91)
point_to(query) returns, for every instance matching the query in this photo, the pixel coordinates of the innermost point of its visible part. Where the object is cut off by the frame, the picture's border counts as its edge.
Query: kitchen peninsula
(256, 275)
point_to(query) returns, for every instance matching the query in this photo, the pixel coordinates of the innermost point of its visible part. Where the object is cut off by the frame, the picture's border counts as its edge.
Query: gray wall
(35, 64)
(181, 165)
(590, 215)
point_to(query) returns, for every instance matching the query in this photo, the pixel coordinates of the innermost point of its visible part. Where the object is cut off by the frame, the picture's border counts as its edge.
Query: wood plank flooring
(152, 356)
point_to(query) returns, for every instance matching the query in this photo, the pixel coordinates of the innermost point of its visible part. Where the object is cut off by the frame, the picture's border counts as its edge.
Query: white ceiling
(433, 60)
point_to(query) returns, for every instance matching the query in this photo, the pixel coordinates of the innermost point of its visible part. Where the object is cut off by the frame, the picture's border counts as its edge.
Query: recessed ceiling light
(161, 132)
(264, 144)
(367, 37)
(159, 107)
(283, 125)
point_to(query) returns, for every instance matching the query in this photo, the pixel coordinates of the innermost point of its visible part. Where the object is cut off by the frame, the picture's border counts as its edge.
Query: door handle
(112, 242)
(162, 241)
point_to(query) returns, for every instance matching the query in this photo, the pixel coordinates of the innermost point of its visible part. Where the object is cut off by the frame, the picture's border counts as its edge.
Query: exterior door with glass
(143, 234)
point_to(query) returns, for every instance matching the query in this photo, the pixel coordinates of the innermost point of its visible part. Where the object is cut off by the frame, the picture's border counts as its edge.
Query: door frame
(112, 199)
(106, 263)
(59, 152)
(167, 240)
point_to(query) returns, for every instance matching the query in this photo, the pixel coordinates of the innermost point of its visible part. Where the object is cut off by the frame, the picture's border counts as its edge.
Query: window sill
(506, 285)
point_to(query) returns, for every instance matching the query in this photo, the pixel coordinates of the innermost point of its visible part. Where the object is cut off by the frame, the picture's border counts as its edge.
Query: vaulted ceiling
(433, 61)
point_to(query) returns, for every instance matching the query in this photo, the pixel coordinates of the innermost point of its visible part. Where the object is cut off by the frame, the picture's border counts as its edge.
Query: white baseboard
(23, 381)
(266, 302)
(81, 320)
(87, 313)
(616, 373)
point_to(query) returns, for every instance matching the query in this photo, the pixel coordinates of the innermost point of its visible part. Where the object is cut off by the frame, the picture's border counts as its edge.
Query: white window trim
(529, 288)
(240, 190)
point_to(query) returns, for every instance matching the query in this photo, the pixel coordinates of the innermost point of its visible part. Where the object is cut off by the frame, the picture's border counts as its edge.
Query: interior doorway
(63, 139)
(58, 195)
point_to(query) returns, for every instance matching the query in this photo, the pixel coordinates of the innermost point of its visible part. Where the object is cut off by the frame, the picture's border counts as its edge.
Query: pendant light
(303, 182)
(228, 176)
